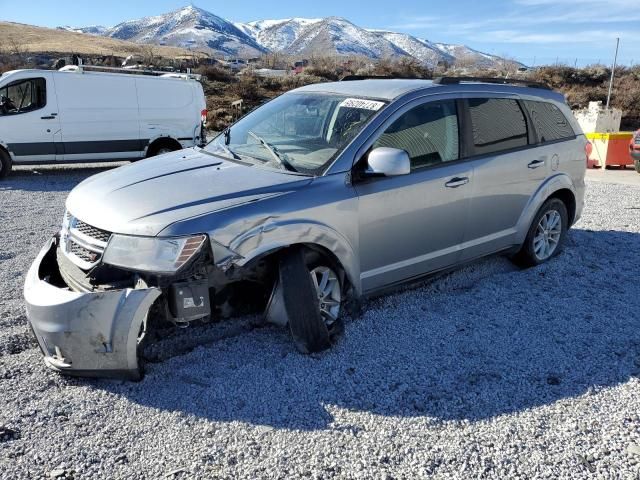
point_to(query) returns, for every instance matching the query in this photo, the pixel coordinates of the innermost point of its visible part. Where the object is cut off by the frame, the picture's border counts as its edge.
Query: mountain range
(198, 29)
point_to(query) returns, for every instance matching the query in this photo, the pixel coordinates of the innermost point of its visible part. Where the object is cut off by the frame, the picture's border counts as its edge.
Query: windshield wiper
(279, 157)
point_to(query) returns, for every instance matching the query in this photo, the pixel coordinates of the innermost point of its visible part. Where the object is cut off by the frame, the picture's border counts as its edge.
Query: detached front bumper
(91, 334)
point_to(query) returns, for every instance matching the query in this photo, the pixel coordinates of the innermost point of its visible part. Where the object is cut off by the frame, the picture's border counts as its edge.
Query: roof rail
(349, 78)
(496, 80)
(140, 71)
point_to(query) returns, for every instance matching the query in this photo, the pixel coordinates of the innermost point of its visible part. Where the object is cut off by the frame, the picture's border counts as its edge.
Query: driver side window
(428, 133)
(23, 96)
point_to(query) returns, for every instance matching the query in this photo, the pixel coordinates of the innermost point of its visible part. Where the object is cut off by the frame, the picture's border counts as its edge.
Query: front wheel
(308, 297)
(5, 164)
(546, 235)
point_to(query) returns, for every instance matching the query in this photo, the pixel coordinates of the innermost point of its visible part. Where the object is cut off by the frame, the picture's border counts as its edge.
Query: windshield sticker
(362, 104)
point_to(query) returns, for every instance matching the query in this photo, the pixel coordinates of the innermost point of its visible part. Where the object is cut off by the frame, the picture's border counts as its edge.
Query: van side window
(428, 133)
(23, 96)
(549, 121)
(498, 124)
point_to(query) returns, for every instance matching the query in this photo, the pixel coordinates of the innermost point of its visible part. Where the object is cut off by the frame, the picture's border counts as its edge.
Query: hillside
(31, 39)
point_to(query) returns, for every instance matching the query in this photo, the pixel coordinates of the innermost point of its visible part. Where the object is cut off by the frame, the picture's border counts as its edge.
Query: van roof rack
(350, 78)
(496, 80)
(140, 71)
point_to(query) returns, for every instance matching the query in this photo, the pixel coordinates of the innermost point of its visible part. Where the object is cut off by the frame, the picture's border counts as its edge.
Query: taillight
(588, 148)
(203, 116)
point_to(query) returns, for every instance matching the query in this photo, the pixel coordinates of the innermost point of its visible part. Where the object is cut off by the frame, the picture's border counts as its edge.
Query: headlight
(152, 254)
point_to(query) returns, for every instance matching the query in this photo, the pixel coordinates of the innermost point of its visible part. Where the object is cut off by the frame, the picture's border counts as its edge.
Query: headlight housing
(152, 254)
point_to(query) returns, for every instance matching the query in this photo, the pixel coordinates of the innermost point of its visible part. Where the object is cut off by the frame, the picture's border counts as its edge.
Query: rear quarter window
(549, 122)
(498, 124)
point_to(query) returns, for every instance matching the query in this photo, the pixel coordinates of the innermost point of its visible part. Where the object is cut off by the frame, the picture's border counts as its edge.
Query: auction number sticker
(362, 104)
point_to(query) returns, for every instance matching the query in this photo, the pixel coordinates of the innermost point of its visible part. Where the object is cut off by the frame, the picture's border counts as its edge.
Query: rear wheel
(5, 164)
(160, 147)
(546, 235)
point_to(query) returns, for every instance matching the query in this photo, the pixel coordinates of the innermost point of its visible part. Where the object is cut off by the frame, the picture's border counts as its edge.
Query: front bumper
(91, 334)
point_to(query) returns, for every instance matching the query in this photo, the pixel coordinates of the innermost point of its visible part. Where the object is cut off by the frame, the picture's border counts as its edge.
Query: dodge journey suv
(326, 194)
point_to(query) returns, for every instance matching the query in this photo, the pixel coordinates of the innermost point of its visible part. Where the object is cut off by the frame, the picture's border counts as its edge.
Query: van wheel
(160, 147)
(5, 164)
(312, 297)
(546, 235)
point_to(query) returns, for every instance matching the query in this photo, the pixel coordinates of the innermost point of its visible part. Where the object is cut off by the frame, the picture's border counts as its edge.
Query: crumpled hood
(145, 197)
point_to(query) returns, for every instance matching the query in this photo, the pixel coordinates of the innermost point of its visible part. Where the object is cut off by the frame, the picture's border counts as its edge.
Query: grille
(83, 243)
(82, 253)
(92, 232)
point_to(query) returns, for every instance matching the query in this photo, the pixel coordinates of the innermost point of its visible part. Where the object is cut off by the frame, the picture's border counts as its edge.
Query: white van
(77, 115)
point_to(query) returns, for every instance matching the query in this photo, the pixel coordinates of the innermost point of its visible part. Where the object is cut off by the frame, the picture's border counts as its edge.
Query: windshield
(297, 131)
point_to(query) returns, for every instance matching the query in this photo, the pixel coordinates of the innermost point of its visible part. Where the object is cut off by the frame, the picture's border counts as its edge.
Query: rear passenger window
(498, 124)
(549, 122)
(428, 133)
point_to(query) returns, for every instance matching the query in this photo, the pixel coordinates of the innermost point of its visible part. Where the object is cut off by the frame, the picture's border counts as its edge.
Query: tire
(161, 147)
(636, 163)
(5, 164)
(539, 245)
(309, 329)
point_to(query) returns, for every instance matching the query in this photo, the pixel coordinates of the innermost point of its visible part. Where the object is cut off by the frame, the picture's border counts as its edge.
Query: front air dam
(93, 334)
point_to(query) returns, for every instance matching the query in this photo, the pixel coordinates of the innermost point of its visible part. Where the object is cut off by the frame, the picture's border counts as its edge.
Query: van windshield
(300, 132)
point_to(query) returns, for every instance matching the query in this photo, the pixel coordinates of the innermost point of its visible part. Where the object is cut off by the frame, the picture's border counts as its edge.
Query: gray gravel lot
(489, 372)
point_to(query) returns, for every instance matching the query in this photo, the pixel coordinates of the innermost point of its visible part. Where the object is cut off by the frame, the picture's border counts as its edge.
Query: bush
(215, 74)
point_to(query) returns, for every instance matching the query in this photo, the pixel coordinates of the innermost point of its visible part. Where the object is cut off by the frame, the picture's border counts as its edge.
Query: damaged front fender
(88, 334)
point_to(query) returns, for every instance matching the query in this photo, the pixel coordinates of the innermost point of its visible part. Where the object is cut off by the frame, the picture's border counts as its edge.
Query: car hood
(147, 196)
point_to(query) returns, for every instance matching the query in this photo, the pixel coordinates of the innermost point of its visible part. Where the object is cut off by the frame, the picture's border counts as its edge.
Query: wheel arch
(559, 186)
(272, 238)
(158, 142)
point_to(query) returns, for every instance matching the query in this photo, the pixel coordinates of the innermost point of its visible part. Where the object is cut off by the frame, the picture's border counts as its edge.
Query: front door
(413, 224)
(29, 123)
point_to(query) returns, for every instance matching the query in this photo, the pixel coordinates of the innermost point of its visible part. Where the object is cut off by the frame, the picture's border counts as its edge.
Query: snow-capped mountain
(468, 56)
(278, 35)
(422, 50)
(91, 30)
(196, 28)
(189, 27)
(336, 35)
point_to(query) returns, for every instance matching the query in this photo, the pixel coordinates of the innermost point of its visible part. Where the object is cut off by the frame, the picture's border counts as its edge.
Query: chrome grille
(82, 243)
(92, 232)
(82, 253)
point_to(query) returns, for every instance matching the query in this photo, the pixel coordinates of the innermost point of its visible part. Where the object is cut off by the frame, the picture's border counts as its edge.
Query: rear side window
(549, 122)
(498, 124)
(428, 133)
(23, 96)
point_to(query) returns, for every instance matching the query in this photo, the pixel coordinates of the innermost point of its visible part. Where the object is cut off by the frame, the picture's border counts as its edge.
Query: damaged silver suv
(324, 195)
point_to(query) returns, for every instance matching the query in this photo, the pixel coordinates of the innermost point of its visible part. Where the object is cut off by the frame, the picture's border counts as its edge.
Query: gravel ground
(489, 372)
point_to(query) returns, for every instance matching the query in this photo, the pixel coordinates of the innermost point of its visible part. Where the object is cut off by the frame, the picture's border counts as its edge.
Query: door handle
(536, 163)
(48, 117)
(456, 182)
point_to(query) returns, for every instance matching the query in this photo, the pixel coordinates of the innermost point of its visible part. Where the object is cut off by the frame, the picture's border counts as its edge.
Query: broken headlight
(152, 254)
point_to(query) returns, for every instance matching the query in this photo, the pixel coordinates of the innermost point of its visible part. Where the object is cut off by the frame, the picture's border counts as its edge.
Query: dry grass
(32, 39)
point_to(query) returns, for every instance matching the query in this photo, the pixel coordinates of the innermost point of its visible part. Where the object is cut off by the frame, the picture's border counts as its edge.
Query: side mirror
(388, 162)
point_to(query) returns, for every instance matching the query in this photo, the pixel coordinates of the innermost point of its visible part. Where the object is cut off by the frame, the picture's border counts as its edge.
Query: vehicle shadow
(481, 342)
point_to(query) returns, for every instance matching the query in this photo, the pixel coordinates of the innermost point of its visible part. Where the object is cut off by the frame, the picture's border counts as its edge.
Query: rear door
(413, 224)
(29, 123)
(508, 170)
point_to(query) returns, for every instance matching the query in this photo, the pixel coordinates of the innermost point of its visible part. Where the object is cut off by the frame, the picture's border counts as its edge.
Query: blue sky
(532, 31)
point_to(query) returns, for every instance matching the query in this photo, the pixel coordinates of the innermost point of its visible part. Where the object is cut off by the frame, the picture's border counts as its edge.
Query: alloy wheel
(548, 233)
(327, 286)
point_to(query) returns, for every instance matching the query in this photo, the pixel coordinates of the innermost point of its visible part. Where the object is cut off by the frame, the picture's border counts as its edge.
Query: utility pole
(613, 71)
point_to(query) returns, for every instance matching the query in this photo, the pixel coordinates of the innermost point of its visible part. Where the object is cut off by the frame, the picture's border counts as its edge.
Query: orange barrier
(609, 149)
